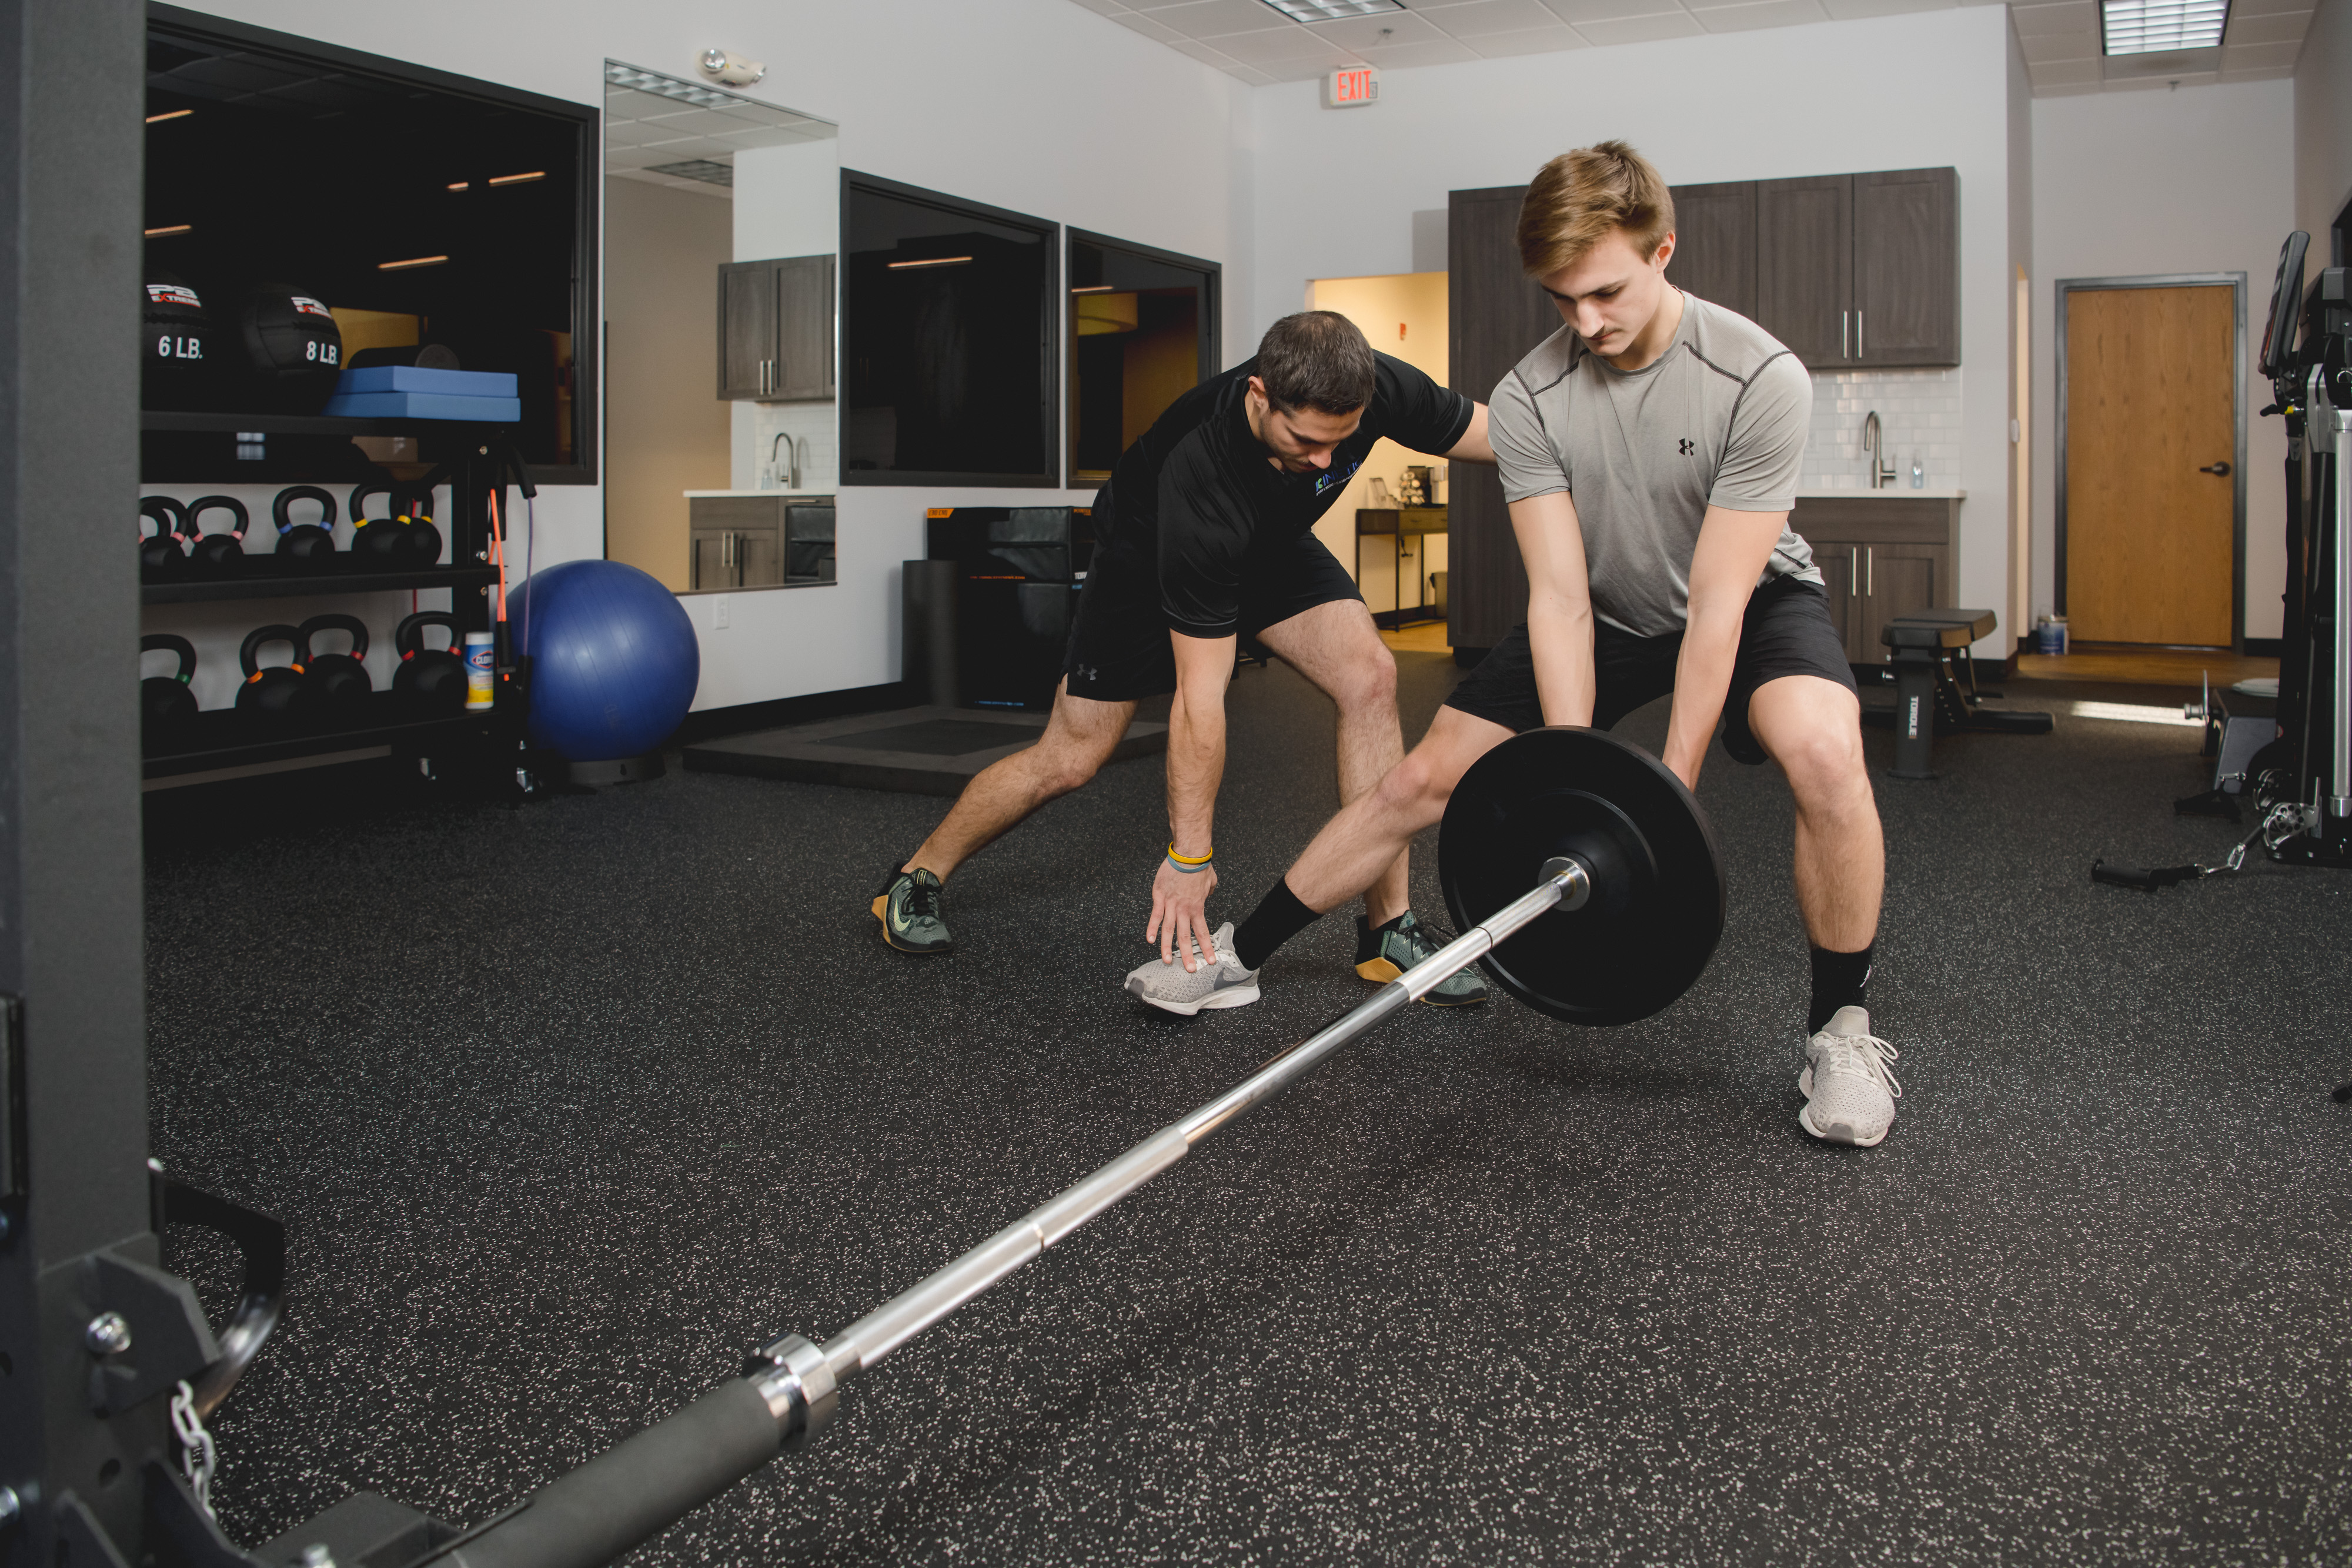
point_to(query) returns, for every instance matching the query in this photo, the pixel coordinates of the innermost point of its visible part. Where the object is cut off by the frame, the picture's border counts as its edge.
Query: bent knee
(1825, 766)
(1416, 789)
(1370, 681)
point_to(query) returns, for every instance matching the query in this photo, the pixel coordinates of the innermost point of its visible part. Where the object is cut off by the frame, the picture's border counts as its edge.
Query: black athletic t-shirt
(1198, 499)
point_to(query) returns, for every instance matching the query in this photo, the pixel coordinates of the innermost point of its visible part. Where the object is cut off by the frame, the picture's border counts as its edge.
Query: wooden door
(1906, 269)
(1804, 265)
(1715, 244)
(2149, 532)
(803, 327)
(1494, 316)
(747, 328)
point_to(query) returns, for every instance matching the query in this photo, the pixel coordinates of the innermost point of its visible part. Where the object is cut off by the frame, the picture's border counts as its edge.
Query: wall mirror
(1143, 331)
(721, 233)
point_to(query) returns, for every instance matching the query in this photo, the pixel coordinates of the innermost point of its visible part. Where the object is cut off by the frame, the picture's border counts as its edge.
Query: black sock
(1840, 980)
(1278, 918)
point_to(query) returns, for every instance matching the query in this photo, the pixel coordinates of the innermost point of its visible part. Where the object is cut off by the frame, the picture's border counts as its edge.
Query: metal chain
(197, 1454)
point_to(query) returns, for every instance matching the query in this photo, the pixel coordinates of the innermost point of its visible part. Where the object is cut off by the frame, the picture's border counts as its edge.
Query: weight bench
(1929, 650)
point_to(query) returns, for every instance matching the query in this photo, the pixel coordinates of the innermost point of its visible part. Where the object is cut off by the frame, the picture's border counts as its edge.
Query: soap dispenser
(1918, 475)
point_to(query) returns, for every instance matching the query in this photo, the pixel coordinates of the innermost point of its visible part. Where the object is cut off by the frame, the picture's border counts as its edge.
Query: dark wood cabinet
(775, 328)
(1804, 266)
(1881, 557)
(1495, 315)
(759, 541)
(1715, 244)
(1907, 267)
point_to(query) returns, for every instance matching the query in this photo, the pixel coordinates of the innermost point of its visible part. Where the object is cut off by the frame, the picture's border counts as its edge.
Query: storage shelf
(310, 424)
(225, 589)
(226, 738)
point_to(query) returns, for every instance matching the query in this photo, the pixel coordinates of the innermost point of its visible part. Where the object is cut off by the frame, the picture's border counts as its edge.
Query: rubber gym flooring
(568, 1105)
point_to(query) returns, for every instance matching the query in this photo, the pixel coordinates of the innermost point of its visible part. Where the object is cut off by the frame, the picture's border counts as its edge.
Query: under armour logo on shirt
(1687, 448)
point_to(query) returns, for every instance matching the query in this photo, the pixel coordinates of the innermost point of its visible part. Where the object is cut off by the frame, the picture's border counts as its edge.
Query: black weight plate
(1657, 909)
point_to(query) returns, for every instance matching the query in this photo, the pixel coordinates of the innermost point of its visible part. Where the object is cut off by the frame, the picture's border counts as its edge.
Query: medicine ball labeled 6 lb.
(293, 346)
(177, 367)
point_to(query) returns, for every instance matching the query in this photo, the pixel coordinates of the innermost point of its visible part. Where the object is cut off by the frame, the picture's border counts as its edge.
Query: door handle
(2220, 468)
(1842, 326)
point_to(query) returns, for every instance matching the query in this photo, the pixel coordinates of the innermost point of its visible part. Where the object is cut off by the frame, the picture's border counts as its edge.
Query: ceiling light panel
(1332, 10)
(2153, 26)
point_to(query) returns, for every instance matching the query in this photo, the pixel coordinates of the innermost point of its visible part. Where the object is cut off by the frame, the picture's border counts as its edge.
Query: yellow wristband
(1189, 860)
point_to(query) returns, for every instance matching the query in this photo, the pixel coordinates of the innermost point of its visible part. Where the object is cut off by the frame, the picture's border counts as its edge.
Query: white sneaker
(1849, 1094)
(1223, 983)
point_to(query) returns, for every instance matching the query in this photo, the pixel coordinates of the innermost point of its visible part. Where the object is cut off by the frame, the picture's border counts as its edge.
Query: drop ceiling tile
(1293, 70)
(1265, 50)
(1138, 22)
(2160, 83)
(2239, 58)
(1444, 53)
(1679, 24)
(1766, 14)
(1207, 54)
(2287, 28)
(1850, 10)
(1579, 12)
(2265, 7)
(2067, 89)
(2068, 17)
(2056, 72)
(1531, 41)
(1214, 18)
(2060, 46)
(1496, 17)
(1356, 32)
(1105, 8)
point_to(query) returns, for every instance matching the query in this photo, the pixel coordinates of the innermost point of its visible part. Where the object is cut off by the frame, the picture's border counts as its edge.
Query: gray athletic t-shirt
(1717, 420)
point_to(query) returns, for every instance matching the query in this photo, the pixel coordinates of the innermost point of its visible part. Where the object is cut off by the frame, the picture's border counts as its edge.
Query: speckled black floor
(567, 1106)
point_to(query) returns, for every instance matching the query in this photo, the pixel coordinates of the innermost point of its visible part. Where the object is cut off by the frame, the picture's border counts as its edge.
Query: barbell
(1612, 901)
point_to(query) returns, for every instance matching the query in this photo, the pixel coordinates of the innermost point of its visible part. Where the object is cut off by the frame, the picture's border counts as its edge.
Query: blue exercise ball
(614, 660)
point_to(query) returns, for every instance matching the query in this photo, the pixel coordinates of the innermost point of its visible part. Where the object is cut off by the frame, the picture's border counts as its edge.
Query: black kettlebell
(429, 680)
(310, 542)
(381, 544)
(164, 554)
(167, 709)
(281, 696)
(218, 555)
(341, 678)
(423, 535)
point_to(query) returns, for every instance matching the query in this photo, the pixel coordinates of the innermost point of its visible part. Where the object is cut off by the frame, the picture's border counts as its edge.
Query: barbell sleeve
(632, 1491)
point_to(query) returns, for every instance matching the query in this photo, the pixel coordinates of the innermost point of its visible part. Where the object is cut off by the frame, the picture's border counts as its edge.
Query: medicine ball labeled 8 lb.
(614, 659)
(177, 368)
(293, 346)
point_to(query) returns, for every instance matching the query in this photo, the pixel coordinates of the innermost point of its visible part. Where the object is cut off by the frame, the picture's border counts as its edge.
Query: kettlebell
(429, 680)
(381, 544)
(164, 554)
(314, 543)
(423, 535)
(167, 709)
(341, 679)
(282, 697)
(216, 555)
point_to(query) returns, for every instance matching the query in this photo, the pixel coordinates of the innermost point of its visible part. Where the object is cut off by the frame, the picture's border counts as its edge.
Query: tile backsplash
(1919, 410)
(812, 427)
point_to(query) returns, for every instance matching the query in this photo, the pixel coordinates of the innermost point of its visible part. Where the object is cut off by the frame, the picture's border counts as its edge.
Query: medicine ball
(177, 370)
(292, 348)
(167, 709)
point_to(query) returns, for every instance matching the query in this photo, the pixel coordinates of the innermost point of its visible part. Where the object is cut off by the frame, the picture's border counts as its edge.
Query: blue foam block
(410, 379)
(424, 405)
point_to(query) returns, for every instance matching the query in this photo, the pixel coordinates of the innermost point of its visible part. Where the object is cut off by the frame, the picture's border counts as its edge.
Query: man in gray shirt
(1649, 450)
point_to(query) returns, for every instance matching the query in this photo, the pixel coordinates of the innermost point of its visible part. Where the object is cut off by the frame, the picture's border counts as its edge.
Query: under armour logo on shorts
(1688, 448)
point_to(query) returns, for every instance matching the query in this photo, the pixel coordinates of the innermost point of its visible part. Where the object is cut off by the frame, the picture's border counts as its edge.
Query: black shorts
(1119, 648)
(1787, 632)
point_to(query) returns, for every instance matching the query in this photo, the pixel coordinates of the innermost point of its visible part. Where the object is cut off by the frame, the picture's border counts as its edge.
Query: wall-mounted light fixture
(724, 65)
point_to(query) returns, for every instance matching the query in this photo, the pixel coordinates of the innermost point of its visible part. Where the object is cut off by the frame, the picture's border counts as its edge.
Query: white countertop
(1891, 493)
(784, 495)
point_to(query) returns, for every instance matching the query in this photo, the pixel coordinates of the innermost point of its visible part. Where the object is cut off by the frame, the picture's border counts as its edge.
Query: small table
(1397, 522)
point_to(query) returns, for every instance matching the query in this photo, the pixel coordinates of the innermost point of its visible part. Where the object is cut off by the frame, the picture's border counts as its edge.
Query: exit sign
(1352, 88)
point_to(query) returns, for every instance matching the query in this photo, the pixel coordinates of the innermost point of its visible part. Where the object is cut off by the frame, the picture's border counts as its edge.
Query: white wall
(2151, 181)
(2323, 125)
(1336, 192)
(1034, 105)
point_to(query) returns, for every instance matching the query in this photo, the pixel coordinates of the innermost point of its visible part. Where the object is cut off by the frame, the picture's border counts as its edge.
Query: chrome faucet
(1874, 447)
(789, 477)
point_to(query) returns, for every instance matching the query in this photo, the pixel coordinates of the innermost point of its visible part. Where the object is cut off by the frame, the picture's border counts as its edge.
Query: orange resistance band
(498, 550)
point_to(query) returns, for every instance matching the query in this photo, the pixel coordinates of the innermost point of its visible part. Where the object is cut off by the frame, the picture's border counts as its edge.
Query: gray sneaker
(909, 908)
(1223, 983)
(1849, 1094)
(1384, 952)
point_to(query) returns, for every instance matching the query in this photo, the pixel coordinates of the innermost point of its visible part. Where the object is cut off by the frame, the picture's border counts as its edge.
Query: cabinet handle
(1843, 323)
(1853, 573)
(1870, 572)
(1857, 334)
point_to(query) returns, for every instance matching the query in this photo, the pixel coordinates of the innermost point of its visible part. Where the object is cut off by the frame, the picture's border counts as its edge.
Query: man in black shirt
(1205, 534)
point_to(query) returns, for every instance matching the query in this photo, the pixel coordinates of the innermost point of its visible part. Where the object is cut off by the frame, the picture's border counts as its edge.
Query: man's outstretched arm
(1733, 548)
(1196, 766)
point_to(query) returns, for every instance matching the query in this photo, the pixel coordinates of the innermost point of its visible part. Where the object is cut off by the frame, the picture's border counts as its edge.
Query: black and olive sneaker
(909, 908)
(1384, 952)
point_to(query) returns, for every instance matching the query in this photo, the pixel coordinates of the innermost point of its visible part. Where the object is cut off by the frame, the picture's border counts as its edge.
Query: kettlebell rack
(221, 738)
